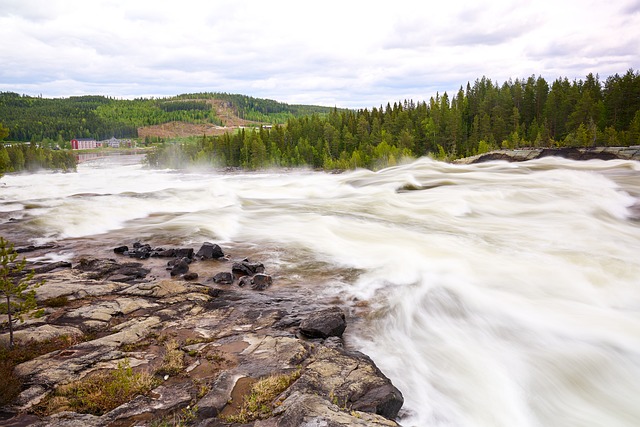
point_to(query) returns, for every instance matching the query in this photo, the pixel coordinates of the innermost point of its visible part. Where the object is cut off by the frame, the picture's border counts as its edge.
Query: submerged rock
(223, 278)
(261, 281)
(246, 268)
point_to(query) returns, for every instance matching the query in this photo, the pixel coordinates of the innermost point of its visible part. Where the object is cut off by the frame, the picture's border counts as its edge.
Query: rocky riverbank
(520, 155)
(205, 326)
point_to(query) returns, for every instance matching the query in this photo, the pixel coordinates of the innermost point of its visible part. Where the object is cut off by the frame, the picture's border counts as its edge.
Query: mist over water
(499, 294)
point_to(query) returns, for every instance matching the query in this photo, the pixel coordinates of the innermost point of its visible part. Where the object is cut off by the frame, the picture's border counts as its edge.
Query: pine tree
(14, 285)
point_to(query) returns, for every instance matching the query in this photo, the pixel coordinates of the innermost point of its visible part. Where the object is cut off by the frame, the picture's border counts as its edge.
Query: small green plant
(101, 392)
(173, 362)
(14, 286)
(201, 388)
(258, 404)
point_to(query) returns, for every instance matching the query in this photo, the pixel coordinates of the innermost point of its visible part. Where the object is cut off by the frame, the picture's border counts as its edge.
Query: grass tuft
(258, 404)
(100, 392)
(173, 362)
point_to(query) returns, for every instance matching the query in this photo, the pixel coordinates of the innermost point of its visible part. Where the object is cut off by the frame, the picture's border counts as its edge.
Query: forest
(480, 117)
(58, 120)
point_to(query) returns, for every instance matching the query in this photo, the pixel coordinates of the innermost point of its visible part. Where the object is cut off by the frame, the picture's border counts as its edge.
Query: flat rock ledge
(524, 154)
(223, 334)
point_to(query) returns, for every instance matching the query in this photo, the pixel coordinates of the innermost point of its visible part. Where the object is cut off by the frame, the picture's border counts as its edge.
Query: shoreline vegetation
(228, 130)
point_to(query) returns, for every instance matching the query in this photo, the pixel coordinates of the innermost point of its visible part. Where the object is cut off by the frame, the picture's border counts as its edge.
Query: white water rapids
(500, 294)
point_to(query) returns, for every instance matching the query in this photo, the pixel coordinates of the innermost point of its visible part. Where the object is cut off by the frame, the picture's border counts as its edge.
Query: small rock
(190, 276)
(261, 281)
(165, 253)
(223, 278)
(209, 251)
(324, 323)
(121, 249)
(245, 280)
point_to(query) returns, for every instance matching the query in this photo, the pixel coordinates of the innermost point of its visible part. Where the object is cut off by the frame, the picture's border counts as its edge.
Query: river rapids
(496, 294)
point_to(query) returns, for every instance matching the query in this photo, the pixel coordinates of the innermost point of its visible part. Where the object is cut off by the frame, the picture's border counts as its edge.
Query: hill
(29, 118)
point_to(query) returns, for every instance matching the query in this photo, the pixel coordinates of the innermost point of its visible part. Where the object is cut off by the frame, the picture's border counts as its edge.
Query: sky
(346, 53)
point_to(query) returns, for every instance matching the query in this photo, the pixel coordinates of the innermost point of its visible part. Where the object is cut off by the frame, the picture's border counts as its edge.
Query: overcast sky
(348, 53)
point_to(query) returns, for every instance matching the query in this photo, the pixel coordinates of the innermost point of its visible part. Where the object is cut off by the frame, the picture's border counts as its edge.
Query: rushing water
(498, 294)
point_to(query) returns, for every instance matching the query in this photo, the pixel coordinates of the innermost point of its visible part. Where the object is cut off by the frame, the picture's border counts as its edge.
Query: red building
(83, 143)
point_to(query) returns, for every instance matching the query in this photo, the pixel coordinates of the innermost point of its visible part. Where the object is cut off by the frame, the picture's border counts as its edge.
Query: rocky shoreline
(227, 326)
(524, 154)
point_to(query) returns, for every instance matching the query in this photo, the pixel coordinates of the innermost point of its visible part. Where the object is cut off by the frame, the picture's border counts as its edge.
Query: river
(496, 294)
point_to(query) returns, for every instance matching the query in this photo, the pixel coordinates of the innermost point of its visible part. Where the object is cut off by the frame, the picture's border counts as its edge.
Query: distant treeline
(479, 118)
(58, 120)
(18, 157)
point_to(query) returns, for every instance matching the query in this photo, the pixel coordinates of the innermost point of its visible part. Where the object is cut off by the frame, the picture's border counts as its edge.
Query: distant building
(83, 143)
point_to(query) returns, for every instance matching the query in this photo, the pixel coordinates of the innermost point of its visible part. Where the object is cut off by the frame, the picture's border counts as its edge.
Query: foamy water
(501, 294)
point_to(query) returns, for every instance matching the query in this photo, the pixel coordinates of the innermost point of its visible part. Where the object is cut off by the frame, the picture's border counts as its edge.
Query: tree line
(479, 118)
(18, 157)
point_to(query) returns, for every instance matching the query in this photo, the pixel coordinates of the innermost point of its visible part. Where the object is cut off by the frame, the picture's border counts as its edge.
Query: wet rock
(246, 268)
(32, 248)
(209, 251)
(301, 409)
(121, 249)
(165, 253)
(190, 276)
(261, 281)
(180, 267)
(223, 278)
(139, 251)
(184, 253)
(244, 281)
(324, 323)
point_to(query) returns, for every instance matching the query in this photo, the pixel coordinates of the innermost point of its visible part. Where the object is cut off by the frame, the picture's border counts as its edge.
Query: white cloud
(347, 53)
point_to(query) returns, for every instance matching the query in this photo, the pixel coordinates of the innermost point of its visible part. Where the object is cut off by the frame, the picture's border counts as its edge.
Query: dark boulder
(121, 249)
(324, 323)
(209, 251)
(223, 278)
(261, 281)
(246, 268)
(180, 267)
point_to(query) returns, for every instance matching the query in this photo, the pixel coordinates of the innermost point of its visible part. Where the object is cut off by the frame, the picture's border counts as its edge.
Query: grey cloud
(632, 8)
